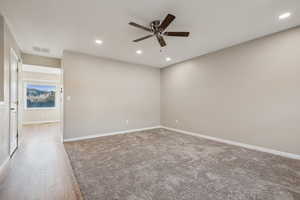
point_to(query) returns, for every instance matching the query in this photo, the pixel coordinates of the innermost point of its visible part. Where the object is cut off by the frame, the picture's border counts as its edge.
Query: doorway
(13, 102)
(42, 98)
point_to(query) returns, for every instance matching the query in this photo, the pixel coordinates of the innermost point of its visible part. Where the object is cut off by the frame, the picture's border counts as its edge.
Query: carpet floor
(164, 165)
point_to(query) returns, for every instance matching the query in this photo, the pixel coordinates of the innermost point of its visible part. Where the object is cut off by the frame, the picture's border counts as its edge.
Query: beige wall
(9, 43)
(1, 58)
(41, 115)
(249, 93)
(105, 93)
(41, 60)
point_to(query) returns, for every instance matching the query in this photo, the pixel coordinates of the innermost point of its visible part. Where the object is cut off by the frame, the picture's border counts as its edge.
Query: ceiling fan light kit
(158, 29)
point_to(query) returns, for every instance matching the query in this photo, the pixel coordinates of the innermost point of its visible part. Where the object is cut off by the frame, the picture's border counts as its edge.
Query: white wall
(249, 93)
(31, 116)
(105, 93)
(1, 58)
(41, 60)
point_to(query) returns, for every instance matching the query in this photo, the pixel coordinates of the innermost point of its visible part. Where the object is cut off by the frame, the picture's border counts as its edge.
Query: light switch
(68, 98)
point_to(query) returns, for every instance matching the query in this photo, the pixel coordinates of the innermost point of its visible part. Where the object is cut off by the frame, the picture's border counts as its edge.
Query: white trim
(248, 146)
(41, 69)
(13, 55)
(3, 166)
(109, 134)
(42, 108)
(40, 122)
(43, 81)
(61, 104)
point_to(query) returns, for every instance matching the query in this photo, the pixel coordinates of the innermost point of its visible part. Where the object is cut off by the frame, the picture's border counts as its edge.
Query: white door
(13, 122)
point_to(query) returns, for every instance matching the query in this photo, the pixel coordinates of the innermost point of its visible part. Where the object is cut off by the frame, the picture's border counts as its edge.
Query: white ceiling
(75, 24)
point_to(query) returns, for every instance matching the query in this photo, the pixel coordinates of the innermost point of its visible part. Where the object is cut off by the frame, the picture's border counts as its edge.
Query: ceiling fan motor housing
(155, 26)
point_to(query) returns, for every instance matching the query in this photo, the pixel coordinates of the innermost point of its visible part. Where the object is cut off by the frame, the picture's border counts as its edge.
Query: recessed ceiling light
(139, 51)
(285, 15)
(98, 41)
(168, 59)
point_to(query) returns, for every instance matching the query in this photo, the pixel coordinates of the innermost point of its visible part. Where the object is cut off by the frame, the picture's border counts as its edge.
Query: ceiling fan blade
(177, 34)
(167, 21)
(161, 40)
(143, 38)
(140, 26)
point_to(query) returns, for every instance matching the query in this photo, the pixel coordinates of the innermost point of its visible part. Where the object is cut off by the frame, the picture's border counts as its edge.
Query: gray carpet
(164, 165)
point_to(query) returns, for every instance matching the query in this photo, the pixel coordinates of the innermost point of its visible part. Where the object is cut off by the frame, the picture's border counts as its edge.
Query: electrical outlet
(176, 121)
(127, 121)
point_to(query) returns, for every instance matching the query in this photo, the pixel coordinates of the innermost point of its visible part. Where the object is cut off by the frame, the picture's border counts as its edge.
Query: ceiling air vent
(41, 50)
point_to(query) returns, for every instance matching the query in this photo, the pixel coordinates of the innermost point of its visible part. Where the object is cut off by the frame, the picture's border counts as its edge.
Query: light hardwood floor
(40, 169)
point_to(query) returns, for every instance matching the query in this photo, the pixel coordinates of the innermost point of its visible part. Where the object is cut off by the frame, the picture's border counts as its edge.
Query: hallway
(40, 169)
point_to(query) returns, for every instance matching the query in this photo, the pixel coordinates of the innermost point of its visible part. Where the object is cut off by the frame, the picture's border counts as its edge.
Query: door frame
(19, 64)
(62, 97)
(59, 83)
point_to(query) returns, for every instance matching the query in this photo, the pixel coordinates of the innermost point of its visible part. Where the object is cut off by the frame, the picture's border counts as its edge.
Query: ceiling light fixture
(139, 52)
(98, 41)
(168, 59)
(285, 16)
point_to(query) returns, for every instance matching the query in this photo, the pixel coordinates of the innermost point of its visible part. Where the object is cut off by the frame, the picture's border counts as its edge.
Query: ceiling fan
(158, 28)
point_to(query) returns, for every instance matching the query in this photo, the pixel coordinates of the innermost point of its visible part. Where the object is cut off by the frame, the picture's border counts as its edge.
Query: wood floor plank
(40, 169)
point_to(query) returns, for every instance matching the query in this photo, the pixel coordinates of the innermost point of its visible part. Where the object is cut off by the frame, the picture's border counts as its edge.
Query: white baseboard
(3, 166)
(248, 146)
(109, 134)
(40, 122)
